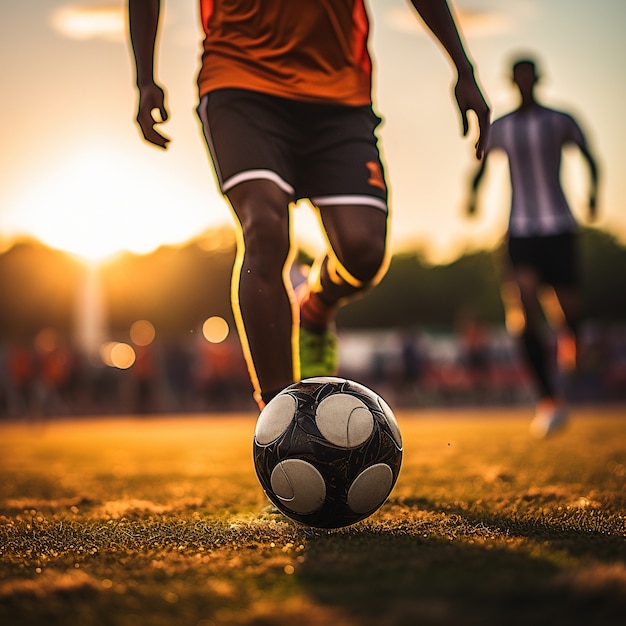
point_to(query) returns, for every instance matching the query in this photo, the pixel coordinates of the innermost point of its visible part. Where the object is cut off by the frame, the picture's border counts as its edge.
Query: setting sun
(99, 203)
(77, 175)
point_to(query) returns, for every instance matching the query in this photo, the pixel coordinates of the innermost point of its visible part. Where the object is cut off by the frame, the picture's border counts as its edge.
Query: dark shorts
(327, 153)
(555, 258)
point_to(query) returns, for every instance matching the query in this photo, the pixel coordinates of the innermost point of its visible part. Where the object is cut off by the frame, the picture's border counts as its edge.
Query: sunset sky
(76, 175)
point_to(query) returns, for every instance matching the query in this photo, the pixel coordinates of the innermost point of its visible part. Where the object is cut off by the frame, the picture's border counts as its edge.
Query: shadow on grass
(400, 568)
(584, 533)
(513, 577)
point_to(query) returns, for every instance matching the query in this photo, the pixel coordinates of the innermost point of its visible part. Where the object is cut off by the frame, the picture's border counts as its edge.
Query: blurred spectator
(56, 368)
(475, 355)
(20, 379)
(475, 365)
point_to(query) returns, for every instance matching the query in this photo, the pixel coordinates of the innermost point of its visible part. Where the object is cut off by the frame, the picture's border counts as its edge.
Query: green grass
(161, 522)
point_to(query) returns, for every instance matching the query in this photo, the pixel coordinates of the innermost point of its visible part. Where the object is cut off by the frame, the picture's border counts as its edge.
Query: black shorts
(555, 257)
(327, 153)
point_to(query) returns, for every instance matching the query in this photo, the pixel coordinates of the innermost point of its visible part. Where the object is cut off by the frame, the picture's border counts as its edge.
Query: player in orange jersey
(286, 107)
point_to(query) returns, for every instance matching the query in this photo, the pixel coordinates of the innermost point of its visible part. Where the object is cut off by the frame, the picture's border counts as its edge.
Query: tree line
(177, 288)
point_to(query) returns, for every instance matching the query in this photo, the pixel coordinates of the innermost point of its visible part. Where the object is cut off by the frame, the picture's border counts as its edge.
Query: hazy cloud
(473, 23)
(90, 21)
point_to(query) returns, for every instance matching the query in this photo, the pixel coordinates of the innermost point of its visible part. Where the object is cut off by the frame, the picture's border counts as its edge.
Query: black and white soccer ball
(327, 451)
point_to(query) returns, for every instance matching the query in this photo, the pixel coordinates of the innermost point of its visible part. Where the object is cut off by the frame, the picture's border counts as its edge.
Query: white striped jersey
(533, 139)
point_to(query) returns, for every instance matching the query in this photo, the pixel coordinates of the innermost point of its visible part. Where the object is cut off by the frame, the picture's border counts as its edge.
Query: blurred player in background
(542, 235)
(286, 108)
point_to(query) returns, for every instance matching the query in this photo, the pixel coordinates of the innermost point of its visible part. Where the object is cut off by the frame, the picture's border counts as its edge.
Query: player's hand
(593, 208)
(470, 209)
(470, 98)
(152, 111)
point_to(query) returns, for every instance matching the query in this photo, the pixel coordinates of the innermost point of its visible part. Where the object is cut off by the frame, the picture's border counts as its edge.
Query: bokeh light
(215, 329)
(117, 354)
(142, 333)
(46, 340)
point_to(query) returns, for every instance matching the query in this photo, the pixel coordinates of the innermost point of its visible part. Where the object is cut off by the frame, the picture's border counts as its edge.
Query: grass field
(161, 522)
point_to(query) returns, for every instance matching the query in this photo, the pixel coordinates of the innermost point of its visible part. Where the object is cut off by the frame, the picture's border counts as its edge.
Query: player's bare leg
(568, 344)
(355, 261)
(262, 300)
(358, 237)
(550, 414)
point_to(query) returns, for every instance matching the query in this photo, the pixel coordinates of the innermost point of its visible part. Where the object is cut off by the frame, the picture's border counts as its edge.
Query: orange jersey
(313, 50)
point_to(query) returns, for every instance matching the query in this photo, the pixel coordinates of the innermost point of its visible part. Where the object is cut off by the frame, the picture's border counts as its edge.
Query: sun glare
(101, 203)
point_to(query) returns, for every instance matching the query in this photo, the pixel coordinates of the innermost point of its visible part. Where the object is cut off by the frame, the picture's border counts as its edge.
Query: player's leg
(550, 413)
(565, 277)
(357, 236)
(344, 177)
(527, 267)
(250, 141)
(568, 335)
(355, 261)
(533, 338)
(262, 300)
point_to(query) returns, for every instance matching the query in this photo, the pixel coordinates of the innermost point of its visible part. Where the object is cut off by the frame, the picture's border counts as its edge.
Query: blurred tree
(174, 288)
(604, 276)
(37, 290)
(415, 294)
(177, 288)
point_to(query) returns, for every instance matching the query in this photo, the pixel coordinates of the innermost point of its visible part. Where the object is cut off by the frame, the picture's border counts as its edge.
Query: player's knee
(267, 242)
(366, 262)
(264, 221)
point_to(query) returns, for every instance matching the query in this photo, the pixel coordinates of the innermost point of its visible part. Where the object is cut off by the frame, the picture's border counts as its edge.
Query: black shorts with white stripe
(324, 152)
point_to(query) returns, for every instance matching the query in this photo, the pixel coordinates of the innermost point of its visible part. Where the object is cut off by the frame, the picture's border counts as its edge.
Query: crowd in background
(474, 365)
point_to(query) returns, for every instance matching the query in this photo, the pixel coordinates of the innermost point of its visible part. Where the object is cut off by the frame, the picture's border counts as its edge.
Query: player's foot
(318, 353)
(550, 417)
(318, 341)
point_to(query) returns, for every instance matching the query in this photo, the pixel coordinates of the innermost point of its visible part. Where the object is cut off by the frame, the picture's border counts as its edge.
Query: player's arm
(593, 190)
(143, 17)
(438, 18)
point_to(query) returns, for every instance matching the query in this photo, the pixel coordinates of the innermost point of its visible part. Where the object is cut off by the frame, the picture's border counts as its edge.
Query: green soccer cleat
(318, 354)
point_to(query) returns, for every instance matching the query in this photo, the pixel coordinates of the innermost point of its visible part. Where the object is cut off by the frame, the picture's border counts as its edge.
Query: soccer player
(286, 107)
(542, 234)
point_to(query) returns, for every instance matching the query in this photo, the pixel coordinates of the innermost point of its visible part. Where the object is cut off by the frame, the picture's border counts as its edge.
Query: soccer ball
(327, 451)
